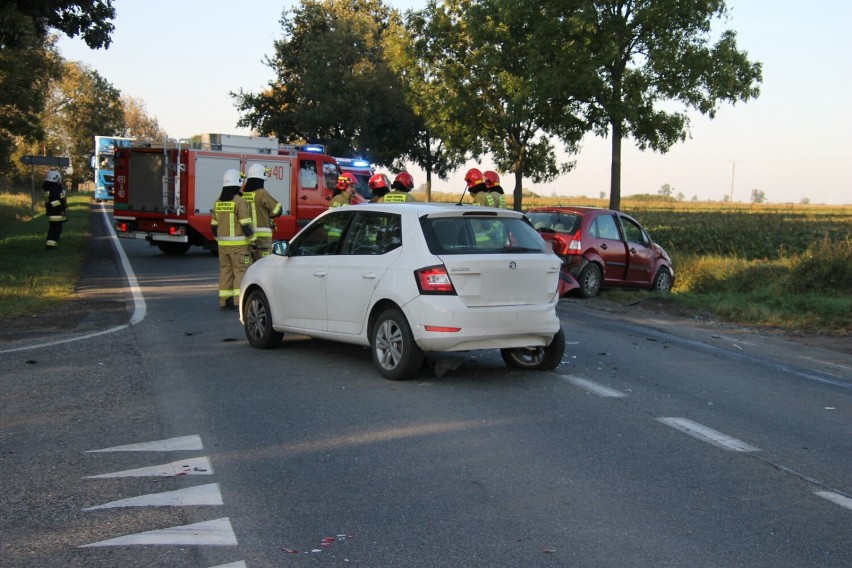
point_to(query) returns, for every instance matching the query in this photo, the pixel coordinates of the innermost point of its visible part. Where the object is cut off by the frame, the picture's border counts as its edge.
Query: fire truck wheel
(173, 248)
(258, 321)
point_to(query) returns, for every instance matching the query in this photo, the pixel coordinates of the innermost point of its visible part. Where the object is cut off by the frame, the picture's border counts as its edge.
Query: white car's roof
(433, 208)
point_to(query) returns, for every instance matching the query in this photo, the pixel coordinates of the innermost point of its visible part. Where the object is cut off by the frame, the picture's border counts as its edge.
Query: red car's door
(640, 253)
(612, 250)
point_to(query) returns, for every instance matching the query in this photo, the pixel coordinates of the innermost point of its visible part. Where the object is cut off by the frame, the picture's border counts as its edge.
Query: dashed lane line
(836, 498)
(192, 496)
(217, 532)
(593, 387)
(708, 435)
(180, 443)
(192, 466)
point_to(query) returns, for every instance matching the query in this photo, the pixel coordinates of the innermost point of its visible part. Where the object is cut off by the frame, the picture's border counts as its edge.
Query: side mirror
(280, 248)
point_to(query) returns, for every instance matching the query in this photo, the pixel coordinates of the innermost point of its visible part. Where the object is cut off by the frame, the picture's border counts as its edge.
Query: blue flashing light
(315, 148)
(361, 163)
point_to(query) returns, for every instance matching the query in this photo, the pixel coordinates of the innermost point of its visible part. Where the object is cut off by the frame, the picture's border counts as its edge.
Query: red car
(602, 248)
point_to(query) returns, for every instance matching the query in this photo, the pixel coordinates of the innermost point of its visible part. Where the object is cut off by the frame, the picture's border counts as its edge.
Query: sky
(183, 58)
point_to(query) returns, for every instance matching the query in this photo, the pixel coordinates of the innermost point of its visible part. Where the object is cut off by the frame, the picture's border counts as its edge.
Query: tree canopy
(648, 52)
(332, 83)
(90, 19)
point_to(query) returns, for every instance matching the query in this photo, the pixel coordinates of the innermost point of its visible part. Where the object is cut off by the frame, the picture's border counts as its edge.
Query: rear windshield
(548, 221)
(476, 234)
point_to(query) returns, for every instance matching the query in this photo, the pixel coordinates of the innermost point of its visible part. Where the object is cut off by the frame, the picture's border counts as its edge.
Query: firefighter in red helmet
(492, 182)
(379, 188)
(346, 183)
(402, 184)
(478, 190)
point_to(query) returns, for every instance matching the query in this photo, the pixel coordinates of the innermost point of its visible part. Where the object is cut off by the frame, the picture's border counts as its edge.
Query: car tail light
(122, 227)
(177, 230)
(434, 280)
(575, 246)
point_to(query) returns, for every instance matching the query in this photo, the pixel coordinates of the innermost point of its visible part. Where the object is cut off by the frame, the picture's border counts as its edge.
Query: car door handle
(320, 273)
(369, 275)
(632, 250)
(603, 246)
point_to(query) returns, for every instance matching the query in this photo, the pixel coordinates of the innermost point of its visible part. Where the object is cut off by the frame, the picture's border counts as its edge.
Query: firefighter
(346, 183)
(402, 184)
(492, 182)
(379, 188)
(264, 208)
(55, 206)
(477, 188)
(231, 225)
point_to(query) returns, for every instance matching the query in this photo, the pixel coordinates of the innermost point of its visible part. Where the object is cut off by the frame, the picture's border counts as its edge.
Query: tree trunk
(518, 194)
(615, 168)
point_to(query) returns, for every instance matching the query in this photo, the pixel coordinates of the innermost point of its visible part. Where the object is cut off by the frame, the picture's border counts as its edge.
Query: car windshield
(479, 234)
(550, 221)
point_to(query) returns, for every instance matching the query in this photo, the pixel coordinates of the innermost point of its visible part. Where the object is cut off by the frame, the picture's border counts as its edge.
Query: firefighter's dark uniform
(55, 206)
(264, 208)
(231, 224)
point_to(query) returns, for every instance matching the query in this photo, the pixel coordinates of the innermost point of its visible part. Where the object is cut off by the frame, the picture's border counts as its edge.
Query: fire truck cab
(164, 192)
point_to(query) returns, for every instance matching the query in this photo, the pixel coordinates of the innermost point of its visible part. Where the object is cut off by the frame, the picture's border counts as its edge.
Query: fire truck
(164, 192)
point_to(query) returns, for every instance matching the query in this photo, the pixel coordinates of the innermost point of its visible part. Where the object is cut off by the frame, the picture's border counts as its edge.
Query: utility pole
(733, 173)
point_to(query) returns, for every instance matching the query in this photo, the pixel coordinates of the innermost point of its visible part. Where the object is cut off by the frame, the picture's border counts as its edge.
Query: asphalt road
(657, 442)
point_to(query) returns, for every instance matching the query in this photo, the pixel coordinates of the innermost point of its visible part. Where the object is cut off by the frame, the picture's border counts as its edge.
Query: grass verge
(32, 279)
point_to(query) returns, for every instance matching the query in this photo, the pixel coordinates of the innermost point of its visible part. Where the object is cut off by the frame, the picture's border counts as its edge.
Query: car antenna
(462, 195)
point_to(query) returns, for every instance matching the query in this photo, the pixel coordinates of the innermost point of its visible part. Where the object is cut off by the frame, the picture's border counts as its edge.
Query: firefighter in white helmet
(55, 206)
(264, 208)
(231, 225)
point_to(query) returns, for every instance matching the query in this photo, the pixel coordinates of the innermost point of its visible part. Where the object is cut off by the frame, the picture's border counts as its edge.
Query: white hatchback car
(405, 279)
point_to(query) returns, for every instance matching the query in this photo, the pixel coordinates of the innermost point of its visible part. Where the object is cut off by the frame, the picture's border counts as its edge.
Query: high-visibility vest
(228, 217)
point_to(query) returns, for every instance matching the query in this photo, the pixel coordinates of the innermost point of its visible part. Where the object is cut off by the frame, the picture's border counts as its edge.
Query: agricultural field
(778, 266)
(786, 267)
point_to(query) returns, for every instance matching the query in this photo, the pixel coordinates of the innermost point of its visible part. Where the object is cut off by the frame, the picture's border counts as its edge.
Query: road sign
(57, 161)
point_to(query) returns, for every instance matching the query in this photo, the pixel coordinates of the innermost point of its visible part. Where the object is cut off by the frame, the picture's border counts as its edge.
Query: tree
(649, 52)
(137, 122)
(666, 190)
(332, 82)
(487, 67)
(21, 20)
(25, 76)
(82, 104)
(427, 146)
(758, 196)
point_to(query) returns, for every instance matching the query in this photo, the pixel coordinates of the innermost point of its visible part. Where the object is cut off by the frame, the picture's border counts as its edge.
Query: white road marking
(593, 387)
(836, 498)
(192, 466)
(209, 533)
(240, 564)
(708, 435)
(169, 445)
(139, 307)
(200, 495)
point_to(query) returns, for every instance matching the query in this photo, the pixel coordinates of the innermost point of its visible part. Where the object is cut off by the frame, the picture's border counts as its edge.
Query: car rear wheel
(590, 280)
(258, 322)
(662, 281)
(395, 353)
(536, 358)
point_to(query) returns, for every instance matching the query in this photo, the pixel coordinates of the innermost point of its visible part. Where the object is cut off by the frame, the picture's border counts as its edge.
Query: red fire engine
(164, 193)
